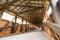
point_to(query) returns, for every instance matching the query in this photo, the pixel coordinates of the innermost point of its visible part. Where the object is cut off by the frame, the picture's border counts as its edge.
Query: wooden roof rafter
(21, 7)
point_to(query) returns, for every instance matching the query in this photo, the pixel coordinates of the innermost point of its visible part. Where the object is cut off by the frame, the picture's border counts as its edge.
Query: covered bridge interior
(21, 16)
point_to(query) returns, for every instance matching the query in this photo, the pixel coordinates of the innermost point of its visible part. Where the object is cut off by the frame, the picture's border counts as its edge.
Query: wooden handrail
(6, 27)
(50, 27)
(1, 28)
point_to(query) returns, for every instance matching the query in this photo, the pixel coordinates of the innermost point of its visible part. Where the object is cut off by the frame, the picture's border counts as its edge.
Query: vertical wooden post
(1, 14)
(21, 26)
(26, 26)
(15, 27)
(45, 4)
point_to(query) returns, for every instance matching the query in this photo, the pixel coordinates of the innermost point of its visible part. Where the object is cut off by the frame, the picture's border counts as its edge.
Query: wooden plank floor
(36, 35)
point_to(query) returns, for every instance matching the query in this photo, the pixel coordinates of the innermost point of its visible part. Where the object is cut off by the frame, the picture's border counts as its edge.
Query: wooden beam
(45, 4)
(2, 28)
(25, 6)
(0, 15)
(14, 1)
(15, 28)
